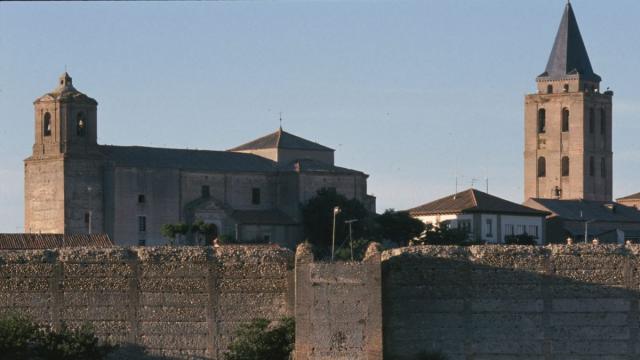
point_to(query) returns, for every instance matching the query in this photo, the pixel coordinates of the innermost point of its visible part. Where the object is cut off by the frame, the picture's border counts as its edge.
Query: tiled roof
(262, 217)
(51, 241)
(473, 201)
(569, 55)
(581, 210)
(223, 161)
(281, 140)
(635, 196)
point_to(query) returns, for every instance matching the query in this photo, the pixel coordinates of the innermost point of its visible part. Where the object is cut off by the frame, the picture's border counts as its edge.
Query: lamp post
(586, 230)
(336, 211)
(350, 235)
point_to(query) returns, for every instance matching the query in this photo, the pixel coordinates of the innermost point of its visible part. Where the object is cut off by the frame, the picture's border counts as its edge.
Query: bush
(523, 239)
(20, 338)
(260, 339)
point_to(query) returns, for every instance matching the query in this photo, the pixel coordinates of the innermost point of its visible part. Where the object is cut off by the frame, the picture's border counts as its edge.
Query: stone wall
(497, 302)
(183, 302)
(338, 308)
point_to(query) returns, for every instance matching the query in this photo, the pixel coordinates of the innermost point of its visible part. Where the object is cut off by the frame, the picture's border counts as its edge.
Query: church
(251, 193)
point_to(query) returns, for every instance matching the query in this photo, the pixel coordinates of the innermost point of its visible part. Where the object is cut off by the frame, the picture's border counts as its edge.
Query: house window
(255, 196)
(490, 227)
(205, 191)
(542, 119)
(592, 170)
(47, 124)
(464, 225)
(603, 168)
(533, 230)
(81, 125)
(521, 229)
(542, 167)
(509, 230)
(565, 166)
(565, 120)
(142, 223)
(603, 121)
(141, 199)
(592, 121)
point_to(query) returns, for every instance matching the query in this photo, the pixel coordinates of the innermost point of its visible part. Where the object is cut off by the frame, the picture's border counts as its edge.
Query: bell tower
(63, 176)
(568, 125)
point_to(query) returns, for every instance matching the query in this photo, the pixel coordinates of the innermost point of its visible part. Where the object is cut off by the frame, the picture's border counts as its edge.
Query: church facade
(252, 193)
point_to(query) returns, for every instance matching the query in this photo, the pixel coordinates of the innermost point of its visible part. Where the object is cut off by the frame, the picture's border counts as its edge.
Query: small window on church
(81, 125)
(542, 167)
(87, 218)
(141, 199)
(142, 223)
(603, 121)
(255, 196)
(205, 191)
(592, 121)
(565, 166)
(542, 121)
(565, 120)
(592, 170)
(603, 168)
(47, 124)
(549, 89)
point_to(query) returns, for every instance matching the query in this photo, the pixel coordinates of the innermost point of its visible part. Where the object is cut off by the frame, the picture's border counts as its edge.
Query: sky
(414, 93)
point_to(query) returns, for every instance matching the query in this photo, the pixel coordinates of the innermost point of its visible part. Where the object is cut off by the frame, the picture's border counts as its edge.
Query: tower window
(542, 167)
(566, 87)
(565, 166)
(142, 223)
(565, 120)
(81, 125)
(47, 124)
(141, 199)
(255, 196)
(592, 170)
(592, 121)
(603, 168)
(549, 89)
(542, 121)
(603, 121)
(205, 191)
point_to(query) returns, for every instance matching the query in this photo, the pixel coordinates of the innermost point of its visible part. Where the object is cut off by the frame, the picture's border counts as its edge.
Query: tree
(523, 239)
(171, 231)
(442, 235)
(262, 339)
(398, 227)
(317, 219)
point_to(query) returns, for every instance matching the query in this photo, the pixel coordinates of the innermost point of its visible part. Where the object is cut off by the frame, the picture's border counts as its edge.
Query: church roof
(310, 165)
(66, 92)
(580, 210)
(635, 196)
(207, 160)
(569, 55)
(473, 201)
(281, 140)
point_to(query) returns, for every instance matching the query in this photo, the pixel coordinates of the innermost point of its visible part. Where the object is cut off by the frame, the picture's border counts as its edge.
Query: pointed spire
(569, 55)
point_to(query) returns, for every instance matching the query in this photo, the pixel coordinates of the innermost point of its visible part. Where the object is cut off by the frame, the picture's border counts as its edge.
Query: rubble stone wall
(182, 301)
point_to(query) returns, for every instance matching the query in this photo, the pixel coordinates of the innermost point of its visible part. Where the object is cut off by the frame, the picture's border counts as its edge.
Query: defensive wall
(577, 302)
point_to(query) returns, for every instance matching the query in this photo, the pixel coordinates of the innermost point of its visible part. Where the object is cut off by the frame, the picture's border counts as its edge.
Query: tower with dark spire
(568, 124)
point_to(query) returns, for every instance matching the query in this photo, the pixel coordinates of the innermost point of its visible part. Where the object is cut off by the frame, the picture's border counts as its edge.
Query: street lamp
(586, 229)
(350, 235)
(336, 211)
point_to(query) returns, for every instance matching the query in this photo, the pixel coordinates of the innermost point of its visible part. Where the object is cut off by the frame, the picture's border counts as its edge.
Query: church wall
(351, 186)
(286, 156)
(44, 196)
(83, 181)
(240, 191)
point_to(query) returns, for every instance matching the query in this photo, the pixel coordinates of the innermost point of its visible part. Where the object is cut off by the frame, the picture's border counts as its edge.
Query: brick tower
(568, 138)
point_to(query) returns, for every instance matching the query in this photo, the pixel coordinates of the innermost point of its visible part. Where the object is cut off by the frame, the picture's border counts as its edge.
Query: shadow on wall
(516, 302)
(136, 352)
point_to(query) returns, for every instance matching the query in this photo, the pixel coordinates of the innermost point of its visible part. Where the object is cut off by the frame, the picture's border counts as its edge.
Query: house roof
(51, 241)
(262, 217)
(281, 140)
(581, 210)
(473, 201)
(569, 55)
(206, 160)
(635, 196)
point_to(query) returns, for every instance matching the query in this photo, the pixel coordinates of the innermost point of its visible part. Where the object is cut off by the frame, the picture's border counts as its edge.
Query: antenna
(280, 120)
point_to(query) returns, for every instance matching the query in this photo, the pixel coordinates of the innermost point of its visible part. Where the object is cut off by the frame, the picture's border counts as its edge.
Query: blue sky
(411, 92)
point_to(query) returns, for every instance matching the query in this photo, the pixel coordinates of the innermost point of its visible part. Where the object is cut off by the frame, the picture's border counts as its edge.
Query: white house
(486, 217)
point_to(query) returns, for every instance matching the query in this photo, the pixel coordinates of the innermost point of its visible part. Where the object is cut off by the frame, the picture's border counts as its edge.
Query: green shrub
(20, 338)
(523, 239)
(260, 339)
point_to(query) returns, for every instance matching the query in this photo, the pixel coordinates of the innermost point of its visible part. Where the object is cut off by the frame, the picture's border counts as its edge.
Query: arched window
(46, 124)
(603, 121)
(549, 89)
(603, 168)
(566, 87)
(565, 120)
(542, 121)
(542, 167)
(592, 170)
(592, 120)
(81, 125)
(565, 166)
